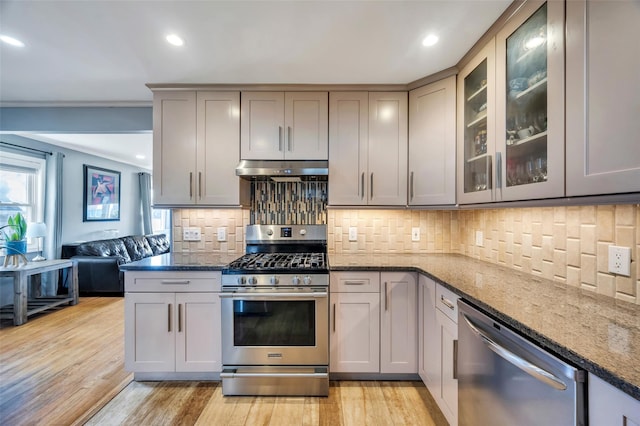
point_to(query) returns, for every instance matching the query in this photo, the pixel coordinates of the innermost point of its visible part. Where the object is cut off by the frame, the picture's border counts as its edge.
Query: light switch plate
(479, 239)
(222, 234)
(353, 233)
(620, 260)
(415, 234)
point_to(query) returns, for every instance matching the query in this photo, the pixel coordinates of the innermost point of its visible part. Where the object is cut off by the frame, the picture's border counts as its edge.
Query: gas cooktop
(288, 262)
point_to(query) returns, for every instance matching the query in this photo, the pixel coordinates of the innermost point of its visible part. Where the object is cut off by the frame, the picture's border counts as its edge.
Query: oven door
(275, 327)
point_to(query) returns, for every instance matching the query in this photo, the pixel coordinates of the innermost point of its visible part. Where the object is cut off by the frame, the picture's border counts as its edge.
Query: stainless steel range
(275, 311)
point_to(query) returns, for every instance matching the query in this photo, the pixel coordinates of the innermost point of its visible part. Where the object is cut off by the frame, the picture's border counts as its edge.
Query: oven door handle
(270, 296)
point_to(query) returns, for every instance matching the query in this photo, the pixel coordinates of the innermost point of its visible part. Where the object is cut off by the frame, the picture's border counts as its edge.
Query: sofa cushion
(137, 246)
(159, 243)
(112, 247)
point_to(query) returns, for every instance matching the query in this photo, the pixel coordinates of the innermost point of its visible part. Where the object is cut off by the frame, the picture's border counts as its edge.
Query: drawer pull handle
(354, 283)
(181, 282)
(447, 302)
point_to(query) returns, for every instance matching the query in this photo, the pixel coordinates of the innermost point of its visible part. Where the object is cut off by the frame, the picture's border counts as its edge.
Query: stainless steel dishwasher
(504, 379)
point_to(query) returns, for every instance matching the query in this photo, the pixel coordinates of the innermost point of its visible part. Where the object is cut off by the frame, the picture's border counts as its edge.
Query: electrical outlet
(479, 239)
(415, 234)
(222, 234)
(620, 260)
(353, 233)
(191, 233)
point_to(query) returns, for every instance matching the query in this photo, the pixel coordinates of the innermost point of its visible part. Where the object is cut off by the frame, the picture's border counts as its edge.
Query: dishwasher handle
(529, 368)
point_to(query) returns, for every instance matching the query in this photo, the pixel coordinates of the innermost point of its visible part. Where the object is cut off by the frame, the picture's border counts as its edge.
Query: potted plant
(14, 235)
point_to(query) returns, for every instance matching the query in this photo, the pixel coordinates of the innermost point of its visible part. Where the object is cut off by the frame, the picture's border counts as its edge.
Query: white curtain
(53, 219)
(145, 202)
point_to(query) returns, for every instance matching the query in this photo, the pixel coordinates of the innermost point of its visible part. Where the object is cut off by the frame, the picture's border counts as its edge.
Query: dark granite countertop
(178, 261)
(592, 331)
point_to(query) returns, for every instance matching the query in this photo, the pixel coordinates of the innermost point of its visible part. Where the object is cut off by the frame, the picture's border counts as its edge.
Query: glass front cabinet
(512, 140)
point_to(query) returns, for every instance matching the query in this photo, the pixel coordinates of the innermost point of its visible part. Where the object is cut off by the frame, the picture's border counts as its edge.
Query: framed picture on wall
(101, 201)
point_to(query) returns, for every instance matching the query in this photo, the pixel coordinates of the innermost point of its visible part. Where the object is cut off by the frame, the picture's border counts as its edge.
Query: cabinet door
(476, 127)
(449, 339)
(174, 148)
(348, 129)
(149, 332)
(609, 406)
(218, 135)
(262, 126)
(398, 323)
(530, 103)
(198, 338)
(387, 150)
(430, 343)
(603, 152)
(355, 333)
(432, 144)
(306, 124)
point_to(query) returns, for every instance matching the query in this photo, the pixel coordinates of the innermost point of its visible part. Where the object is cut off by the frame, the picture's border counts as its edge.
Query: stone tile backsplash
(563, 244)
(568, 245)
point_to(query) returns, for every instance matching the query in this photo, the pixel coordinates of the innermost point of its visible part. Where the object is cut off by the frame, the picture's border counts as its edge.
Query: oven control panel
(284, 280)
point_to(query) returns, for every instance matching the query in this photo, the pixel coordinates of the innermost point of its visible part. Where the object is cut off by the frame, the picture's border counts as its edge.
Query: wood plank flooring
(61, 367)
(67, 368)
(201, 403)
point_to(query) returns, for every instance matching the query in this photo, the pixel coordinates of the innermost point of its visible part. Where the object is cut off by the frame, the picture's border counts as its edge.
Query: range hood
(282, 170)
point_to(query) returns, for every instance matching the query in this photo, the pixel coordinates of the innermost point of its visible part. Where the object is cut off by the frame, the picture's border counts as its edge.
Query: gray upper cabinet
(432, 144)
(387, 150)
(368, 148)
(284, 125)
(195, 148)
(530, 161)
(348, 139)
(603, 129)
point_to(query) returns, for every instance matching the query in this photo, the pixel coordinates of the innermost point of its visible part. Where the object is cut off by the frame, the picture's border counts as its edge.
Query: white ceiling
(95, 52)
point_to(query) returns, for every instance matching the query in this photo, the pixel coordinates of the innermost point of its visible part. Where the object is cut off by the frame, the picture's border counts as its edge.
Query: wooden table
(25, 304)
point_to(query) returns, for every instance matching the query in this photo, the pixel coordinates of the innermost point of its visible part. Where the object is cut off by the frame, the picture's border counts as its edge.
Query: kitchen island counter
(178, 261)
(595, 332)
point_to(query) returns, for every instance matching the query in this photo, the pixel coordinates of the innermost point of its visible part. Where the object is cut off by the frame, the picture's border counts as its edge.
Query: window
(22, 189)
(161, 222)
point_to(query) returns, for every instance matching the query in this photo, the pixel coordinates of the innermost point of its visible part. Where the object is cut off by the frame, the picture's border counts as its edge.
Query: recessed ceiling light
(175, 40)
(12, 41)
(430, 40)
(140, 157)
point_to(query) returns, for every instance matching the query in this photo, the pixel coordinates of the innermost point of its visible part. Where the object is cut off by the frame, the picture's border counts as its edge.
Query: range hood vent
(283, 171)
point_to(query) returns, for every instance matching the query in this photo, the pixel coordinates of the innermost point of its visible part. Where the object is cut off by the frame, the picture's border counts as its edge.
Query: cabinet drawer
(355, 282)
(172, 281)
(447, 302)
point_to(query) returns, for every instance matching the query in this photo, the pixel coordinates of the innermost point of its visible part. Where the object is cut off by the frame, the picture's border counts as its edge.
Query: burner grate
(269, 261)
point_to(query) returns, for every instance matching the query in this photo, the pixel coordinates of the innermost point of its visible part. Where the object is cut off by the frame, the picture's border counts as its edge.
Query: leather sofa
(99, 261)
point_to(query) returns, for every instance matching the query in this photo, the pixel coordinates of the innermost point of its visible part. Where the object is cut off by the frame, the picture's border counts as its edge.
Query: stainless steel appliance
(504, 379)
(275, 313)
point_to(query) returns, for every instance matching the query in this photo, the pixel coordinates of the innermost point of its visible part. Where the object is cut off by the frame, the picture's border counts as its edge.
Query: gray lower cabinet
(373, 322)
(603, 150)
(438, 336)
(172, 325)
(609, 406)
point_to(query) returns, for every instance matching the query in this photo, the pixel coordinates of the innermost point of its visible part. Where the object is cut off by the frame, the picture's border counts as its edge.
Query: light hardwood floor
(61, 367)
(67, 367)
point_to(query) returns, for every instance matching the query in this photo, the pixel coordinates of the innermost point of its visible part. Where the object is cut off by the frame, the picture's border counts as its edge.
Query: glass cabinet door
(532, 151)
(476, 128)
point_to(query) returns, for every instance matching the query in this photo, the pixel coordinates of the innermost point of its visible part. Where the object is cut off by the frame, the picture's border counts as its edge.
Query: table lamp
(37, 230)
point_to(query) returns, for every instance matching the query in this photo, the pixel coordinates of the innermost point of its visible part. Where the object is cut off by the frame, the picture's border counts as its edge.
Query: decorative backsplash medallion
(288, 203)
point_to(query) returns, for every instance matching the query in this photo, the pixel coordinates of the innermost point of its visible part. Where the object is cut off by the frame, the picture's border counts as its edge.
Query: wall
(209, 220)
